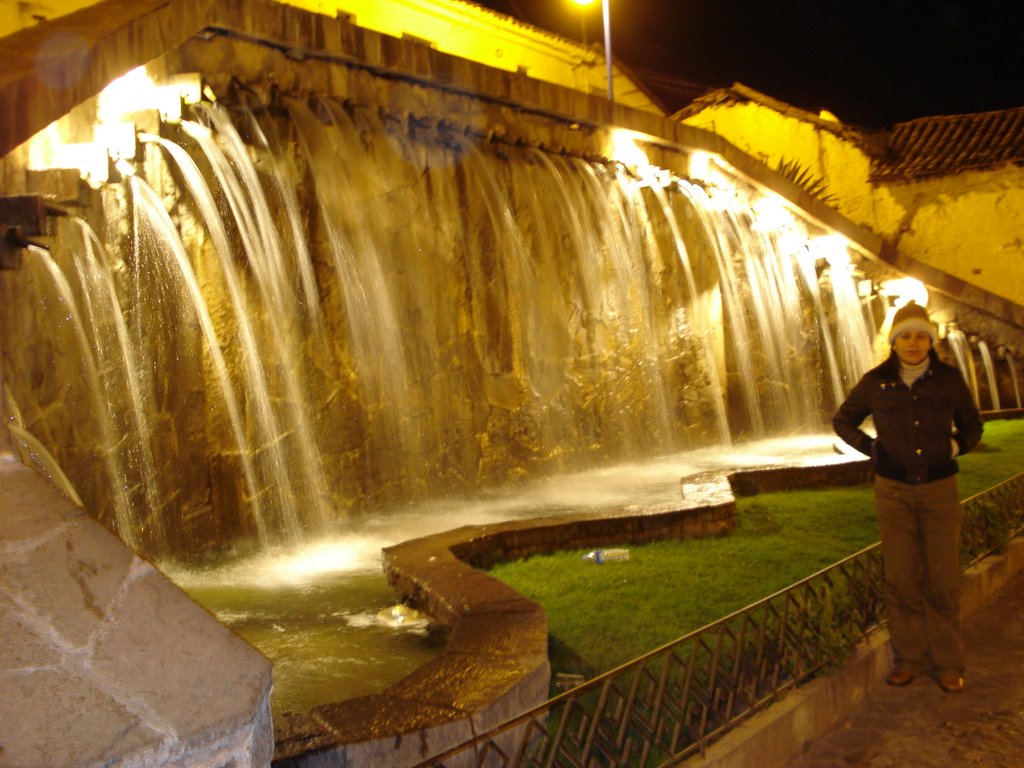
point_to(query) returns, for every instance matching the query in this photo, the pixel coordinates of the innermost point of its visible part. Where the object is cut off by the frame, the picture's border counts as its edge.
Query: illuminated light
(792, 241)
(703, 166)
(43, 148)
(90, 159)
(903, 290)
(189, 87)
(312, 562)
(828, 116)
(128, 93)
(117, 138)
(725, 195)
(833, 248)
(136, 92)
(124, 168)
(113, 137)
(625, 150)
(167, 101)
(771, 214)
(717, 176)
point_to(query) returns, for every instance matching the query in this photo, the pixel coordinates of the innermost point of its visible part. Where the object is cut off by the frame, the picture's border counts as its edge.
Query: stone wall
(104, 660)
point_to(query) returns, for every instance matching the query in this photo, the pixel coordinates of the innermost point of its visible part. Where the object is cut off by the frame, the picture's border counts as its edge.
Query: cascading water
(990, 375)
(102, 411)
(460, 315)
(1011, 363)
(957, 341)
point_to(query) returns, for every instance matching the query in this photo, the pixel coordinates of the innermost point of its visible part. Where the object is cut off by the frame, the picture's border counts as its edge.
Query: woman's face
(912, 347)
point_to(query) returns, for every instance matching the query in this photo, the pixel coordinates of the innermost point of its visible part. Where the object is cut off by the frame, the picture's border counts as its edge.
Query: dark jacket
(914, 425)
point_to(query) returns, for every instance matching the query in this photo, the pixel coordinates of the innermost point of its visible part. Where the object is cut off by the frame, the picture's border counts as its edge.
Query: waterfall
(277, 292)
(853, 329)
(990, 375)
(156, 229)
(121, 371)
(102, 410)
(323, 312)
(964, 360)
(1011, 362)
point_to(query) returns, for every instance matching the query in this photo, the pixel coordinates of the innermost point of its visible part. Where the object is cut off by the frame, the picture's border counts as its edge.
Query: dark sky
(872, 63)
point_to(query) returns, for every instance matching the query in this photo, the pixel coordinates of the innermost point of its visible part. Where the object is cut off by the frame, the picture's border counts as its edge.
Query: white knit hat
(912, 317)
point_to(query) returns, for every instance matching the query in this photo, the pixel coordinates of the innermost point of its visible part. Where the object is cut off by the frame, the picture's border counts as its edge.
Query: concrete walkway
(851, 718)
(923, 727)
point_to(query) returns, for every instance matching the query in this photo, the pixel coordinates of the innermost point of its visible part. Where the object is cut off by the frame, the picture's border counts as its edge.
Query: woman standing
(924, 417)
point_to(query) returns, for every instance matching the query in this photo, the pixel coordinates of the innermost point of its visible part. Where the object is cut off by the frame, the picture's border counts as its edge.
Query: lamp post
(607, 40)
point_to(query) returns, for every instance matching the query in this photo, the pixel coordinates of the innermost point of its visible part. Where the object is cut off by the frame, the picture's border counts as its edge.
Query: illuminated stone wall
(465, 30)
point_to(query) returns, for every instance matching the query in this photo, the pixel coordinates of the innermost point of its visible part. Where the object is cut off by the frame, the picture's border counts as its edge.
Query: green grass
(601, 616)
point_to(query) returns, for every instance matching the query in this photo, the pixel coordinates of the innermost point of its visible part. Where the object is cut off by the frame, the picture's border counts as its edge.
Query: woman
(924, 417)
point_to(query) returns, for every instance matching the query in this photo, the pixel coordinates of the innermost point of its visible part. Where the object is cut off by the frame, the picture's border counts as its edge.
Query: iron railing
(671, 703)
(991, 519)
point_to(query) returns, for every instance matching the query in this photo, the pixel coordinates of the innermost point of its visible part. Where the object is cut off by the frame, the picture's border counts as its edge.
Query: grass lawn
(600, 616)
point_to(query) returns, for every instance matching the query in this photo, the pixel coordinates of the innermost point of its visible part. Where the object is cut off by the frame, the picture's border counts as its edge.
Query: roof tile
(948, 144)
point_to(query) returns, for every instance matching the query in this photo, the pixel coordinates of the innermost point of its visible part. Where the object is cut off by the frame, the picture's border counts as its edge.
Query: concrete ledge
(104, 660)
(773, 737)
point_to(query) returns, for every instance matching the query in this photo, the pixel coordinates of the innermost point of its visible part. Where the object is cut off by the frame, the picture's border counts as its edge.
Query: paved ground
(921, 727)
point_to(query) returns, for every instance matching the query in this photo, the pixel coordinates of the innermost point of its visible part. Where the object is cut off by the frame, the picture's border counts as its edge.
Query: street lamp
(607, 39)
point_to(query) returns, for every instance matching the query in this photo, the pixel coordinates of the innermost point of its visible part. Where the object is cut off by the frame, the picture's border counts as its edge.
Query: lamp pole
(608, 45)
(606, 18)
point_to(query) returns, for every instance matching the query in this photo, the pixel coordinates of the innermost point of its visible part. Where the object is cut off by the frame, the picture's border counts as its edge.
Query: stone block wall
(104, 660)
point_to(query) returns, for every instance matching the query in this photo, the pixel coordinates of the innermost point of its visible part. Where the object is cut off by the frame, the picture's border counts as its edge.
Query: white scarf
(911, 373)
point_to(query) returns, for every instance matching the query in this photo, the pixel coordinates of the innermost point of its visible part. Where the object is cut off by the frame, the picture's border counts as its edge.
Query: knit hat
(912, 317)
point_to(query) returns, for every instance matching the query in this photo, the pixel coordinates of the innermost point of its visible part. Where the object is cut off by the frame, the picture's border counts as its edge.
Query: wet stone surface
(921, 726)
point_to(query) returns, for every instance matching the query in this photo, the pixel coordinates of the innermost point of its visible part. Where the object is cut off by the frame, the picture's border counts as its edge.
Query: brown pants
(920, 531)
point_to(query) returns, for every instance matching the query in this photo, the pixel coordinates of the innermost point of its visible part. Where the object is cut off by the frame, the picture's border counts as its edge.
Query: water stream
(990, 375)
(321, 331)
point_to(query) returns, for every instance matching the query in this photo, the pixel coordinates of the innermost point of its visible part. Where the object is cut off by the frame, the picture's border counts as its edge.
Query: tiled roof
(944, 145)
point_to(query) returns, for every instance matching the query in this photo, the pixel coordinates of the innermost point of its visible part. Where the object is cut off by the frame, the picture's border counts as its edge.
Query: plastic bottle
(606, 555)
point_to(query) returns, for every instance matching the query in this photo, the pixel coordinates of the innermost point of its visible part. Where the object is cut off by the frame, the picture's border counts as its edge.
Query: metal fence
(674, 701)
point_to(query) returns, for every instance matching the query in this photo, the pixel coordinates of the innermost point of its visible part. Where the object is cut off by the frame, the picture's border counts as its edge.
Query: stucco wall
(970, 225)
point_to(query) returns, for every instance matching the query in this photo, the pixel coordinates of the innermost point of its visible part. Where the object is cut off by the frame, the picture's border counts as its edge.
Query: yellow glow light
(717, 176)
(89, 158)
(833, 248)
(117, 138)
(313, 562)
(124, 168)
(702, 166)
(625, 150)
(136, 92)
(903, 290)
(771, 214)
(584, 2)
(129, 93)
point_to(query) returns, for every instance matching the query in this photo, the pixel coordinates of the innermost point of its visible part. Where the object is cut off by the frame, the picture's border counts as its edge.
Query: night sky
(872, 63)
